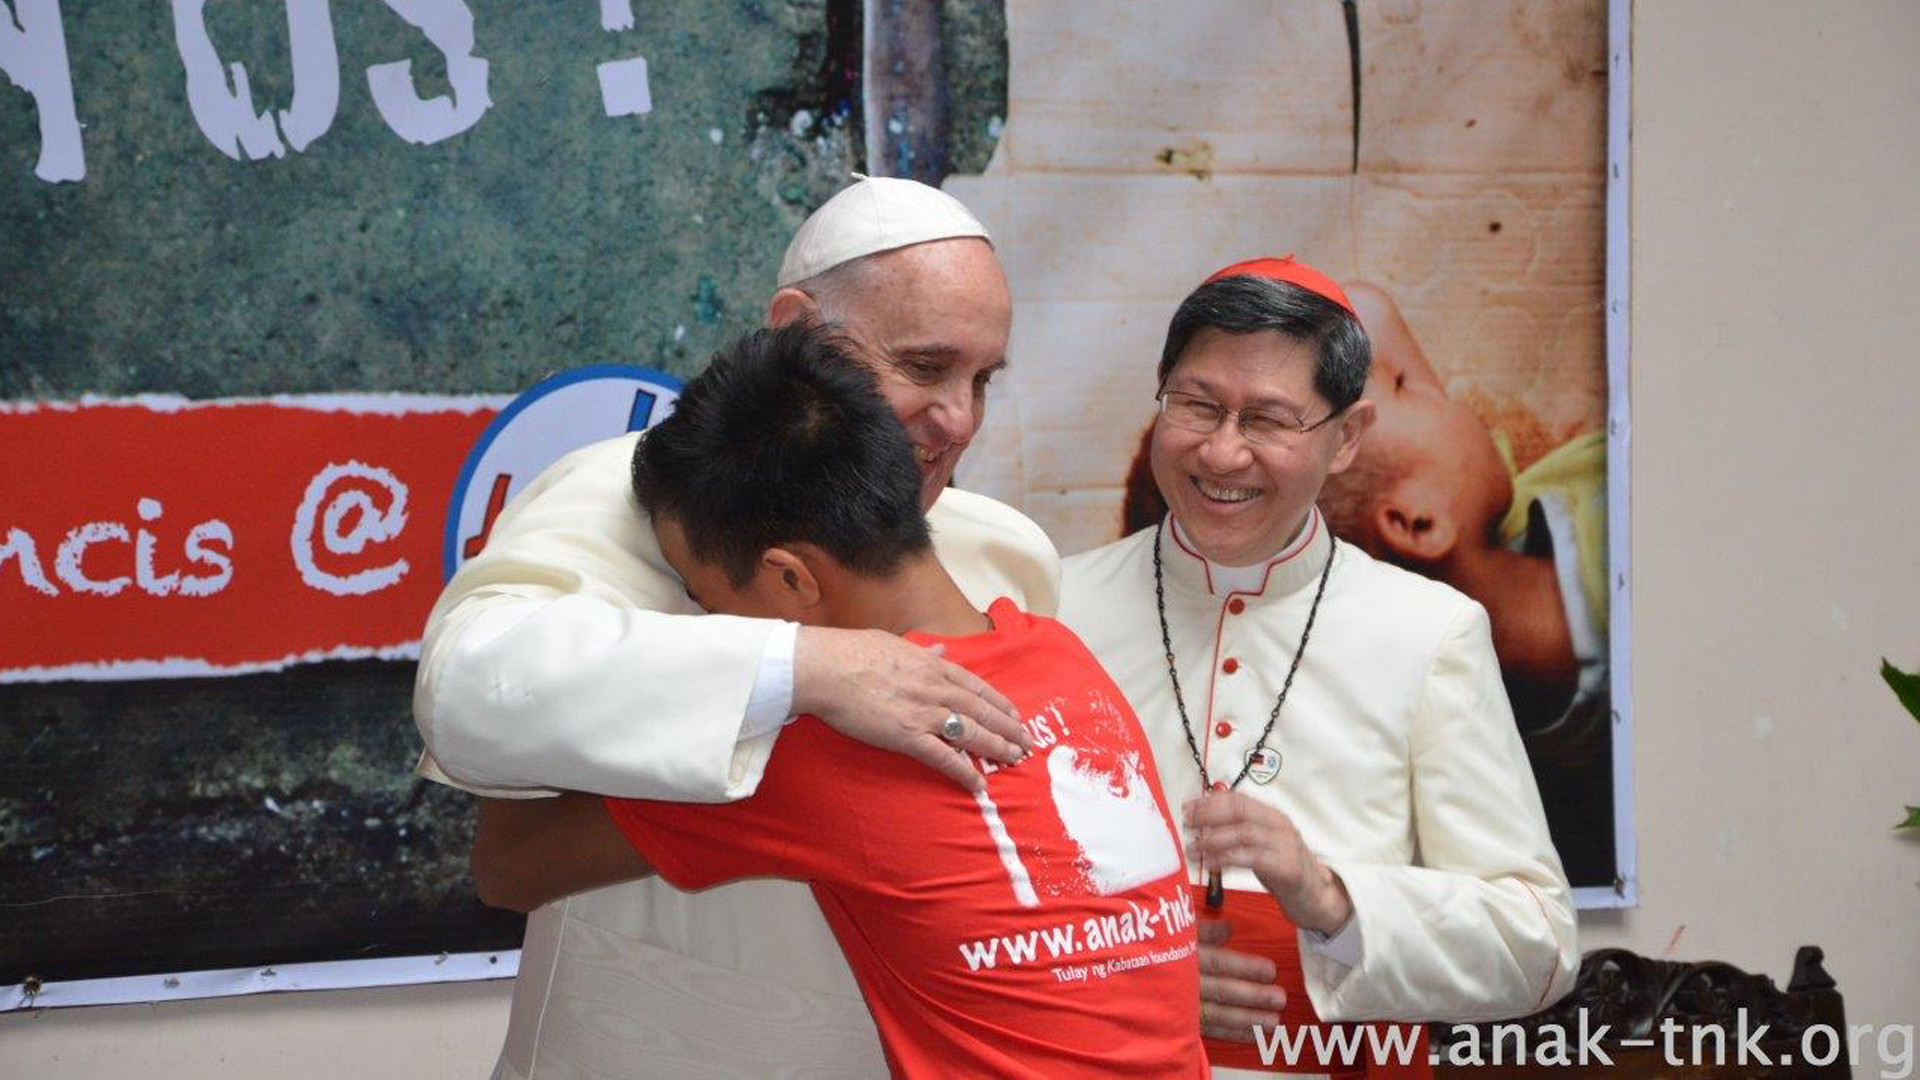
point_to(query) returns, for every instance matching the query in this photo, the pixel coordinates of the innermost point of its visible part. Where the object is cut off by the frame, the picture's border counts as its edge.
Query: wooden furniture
(1709, 1005)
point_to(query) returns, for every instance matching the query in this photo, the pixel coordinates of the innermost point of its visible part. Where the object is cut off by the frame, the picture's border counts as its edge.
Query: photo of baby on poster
(1447, 165)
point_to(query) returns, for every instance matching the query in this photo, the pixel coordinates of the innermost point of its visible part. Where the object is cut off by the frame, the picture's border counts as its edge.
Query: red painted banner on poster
(160, 537)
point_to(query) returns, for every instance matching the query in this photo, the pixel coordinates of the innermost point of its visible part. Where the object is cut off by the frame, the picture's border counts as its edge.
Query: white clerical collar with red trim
(1295, 565)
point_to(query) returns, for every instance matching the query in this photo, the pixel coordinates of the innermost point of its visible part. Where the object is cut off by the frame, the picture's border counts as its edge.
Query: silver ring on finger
(953, 728)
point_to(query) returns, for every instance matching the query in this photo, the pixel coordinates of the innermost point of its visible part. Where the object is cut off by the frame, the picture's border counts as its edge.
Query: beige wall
(1776, 545)
(1776, 488)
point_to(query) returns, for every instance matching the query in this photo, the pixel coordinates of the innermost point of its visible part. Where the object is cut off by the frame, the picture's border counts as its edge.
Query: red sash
(1261, 928)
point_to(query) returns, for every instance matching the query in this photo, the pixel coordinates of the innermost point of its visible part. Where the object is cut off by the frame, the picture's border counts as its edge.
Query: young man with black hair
(1041, 927)
(567, 657)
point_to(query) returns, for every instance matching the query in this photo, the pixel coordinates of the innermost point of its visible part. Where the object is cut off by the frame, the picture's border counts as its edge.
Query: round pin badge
(1263, 764)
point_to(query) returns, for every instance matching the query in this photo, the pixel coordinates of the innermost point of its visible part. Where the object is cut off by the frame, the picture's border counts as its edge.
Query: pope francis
(568, 655)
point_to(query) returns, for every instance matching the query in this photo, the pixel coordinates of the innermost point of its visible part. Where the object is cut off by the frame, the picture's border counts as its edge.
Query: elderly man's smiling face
(1239, 502)
(933, 320)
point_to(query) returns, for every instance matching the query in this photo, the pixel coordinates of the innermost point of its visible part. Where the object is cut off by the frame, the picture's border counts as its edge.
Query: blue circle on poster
(557, 416)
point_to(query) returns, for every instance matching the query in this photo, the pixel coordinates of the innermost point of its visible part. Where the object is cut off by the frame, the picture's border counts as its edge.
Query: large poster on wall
(269, 274)
(1448, 164)
(272, 275)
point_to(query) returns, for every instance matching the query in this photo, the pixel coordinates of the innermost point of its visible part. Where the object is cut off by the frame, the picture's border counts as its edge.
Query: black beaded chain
(1216, 895)
(1173, 674)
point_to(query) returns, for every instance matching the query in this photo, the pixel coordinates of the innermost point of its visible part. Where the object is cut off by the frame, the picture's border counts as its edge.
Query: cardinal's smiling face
(1238, 500)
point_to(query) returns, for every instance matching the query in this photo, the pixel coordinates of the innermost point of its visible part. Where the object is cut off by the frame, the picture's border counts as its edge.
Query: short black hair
(785, 438)
(1244, 304)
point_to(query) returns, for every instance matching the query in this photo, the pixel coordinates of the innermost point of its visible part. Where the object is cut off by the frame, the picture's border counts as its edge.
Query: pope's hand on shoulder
(1233, 829)
(887, 692)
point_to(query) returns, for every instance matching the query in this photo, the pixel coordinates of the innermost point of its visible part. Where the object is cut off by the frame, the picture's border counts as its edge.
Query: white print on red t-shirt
(1168, 916)
(1104, 802)
(1009, 855)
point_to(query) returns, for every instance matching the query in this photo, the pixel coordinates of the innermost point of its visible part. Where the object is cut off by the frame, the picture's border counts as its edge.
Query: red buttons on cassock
(1236, 605)
(1230, 665)
(1223, 729)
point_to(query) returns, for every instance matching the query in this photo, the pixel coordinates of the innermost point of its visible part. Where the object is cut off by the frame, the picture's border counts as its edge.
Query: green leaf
(1913, 819)
(1905, 687)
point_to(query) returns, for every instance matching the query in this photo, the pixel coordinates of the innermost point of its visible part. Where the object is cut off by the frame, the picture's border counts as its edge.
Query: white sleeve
(567, 655)
(770, 706)
(1344, 946)
(1483, 929)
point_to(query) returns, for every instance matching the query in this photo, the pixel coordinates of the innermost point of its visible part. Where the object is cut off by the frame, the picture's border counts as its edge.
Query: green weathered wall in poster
(547, 236)
(233, 822)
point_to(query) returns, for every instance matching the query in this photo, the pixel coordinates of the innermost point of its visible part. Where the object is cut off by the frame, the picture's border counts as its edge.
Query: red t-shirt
(1043, 929)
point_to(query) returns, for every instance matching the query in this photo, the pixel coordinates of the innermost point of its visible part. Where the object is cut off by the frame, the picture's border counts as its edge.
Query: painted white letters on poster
(449, 25)
(33, 55)
(225, 111)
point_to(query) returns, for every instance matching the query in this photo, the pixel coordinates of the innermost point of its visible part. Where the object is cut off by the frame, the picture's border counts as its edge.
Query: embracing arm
(798, 825)
(527, 852)
(1483, 928)
(575, 692)
(568, 656)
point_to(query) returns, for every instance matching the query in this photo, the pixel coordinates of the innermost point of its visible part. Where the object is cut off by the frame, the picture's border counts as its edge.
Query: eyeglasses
(1190, 412)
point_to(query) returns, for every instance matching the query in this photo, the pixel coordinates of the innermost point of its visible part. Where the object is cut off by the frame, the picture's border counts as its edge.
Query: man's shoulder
(1399, 583)
(993, 550)
(1093, 573)
(1043, 637)
(590, 487)
(1015, 640)
(578, 516)
(1024, 652)
(960, 508)
(597, 477)
(1110, 557)
(1400, 604)
(608, 462)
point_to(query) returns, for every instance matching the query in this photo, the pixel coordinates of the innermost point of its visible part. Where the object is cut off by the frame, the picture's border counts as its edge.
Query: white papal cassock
(568, 655)
(1398, 759)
